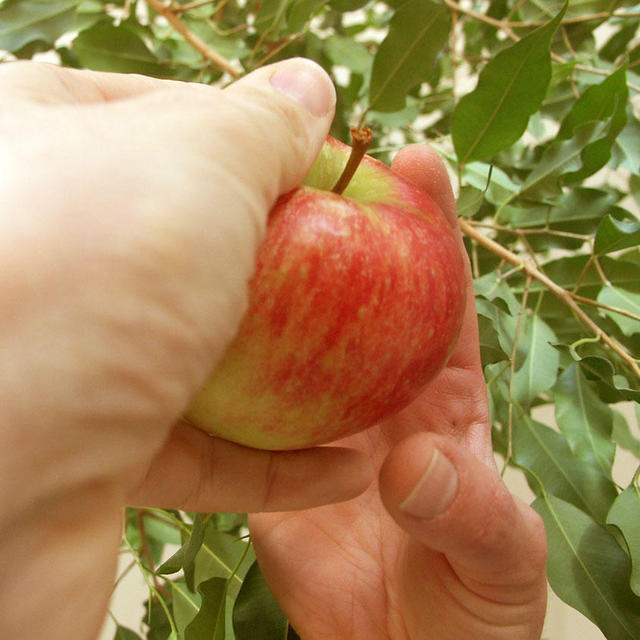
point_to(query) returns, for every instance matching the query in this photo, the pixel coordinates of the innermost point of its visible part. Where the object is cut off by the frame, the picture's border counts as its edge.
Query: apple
(356, 303)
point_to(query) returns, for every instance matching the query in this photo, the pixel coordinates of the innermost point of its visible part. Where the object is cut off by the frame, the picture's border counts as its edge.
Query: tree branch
(202, 47)
(565, 296)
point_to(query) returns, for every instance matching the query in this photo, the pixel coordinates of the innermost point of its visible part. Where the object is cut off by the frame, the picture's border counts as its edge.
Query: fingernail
(307, 83)
(435, 490)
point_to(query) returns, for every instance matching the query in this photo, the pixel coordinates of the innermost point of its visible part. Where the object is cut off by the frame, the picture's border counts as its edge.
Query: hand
(439, 549)
(131, 212)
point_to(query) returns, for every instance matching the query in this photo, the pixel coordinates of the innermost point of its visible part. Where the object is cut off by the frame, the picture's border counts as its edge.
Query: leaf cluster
(203, 578)
(534, 105)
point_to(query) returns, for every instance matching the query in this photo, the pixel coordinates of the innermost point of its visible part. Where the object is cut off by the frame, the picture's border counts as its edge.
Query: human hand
(131, 212)
(439, 549)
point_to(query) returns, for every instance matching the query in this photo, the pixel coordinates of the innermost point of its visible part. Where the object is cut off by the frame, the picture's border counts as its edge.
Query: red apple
(356, 303)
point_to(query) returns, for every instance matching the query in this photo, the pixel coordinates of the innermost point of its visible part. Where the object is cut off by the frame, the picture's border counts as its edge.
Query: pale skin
(131, 210)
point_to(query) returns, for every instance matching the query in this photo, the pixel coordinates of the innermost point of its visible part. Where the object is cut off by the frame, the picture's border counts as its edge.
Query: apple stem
(360, 142)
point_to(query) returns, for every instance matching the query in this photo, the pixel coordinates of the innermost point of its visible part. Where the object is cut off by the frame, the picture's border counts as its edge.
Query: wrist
(58, 563)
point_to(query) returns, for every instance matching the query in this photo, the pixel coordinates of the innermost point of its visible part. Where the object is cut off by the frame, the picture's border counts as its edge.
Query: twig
(123, 575)
(180, 8)
(512, 370)
(605, 307)
(202, 47)
(497, 24)
(285, 42)
(145, 552)
(565, 296)
(546, 231)
(508, 25)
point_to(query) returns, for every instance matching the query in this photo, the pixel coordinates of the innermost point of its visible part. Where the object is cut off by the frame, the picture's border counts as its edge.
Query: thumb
(167, 187)
(453, 503)
(287, 109)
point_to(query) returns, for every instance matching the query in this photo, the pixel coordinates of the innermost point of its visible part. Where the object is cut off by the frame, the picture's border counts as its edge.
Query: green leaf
(626, 151)
(469, 201)
(172, 564)
(504, 325)
(579, 210)
(613, 235)
(604, 102)
(122, 633)
(301, 12)
(185, 605)
(256, 614)
(584, 419)
(562, 157)
(25, 21)
(617, 44)
(219, 555)
(625, 516)
(546, 454)
(347, 5)
(209, 623)
(566, 271)
(105, 47)
(159, 627)
(625, 300)
(417, 33)
(496, 185)
(510, 89)
(588, 569)
(598, 102)
(271, 15)
(492, 287)
(185, 556)
(600, 369)
(539, 370)
(349, 53)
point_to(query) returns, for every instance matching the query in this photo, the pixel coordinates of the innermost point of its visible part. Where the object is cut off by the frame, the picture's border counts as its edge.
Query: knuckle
(271, 475)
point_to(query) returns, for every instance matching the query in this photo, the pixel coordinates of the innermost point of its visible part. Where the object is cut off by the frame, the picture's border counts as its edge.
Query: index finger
(45, 83)
(423, 166)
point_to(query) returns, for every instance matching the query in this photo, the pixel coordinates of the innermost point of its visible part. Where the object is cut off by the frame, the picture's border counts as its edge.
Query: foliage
(534, 106)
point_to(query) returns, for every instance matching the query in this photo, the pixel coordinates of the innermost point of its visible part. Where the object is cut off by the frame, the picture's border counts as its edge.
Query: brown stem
(145, 552)
(512, 368)
(605, 307)
(207, 52)
(360, 141)
(566, 296)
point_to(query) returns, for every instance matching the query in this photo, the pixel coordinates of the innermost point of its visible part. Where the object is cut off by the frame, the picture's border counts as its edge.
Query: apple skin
(355, 305)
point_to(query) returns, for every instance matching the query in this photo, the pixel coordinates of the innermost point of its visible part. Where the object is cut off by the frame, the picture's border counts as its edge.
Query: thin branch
(497, 24)
(605, 307)
(199, 45)
(565, 296)
(508, 25)
(145, 552)
(601, 273)
(512, 371)
(285, 42)
(181, 8)
(532, 232)
(123, 575)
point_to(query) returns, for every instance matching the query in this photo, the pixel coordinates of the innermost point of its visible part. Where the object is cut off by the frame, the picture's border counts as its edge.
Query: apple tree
(534, 106)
